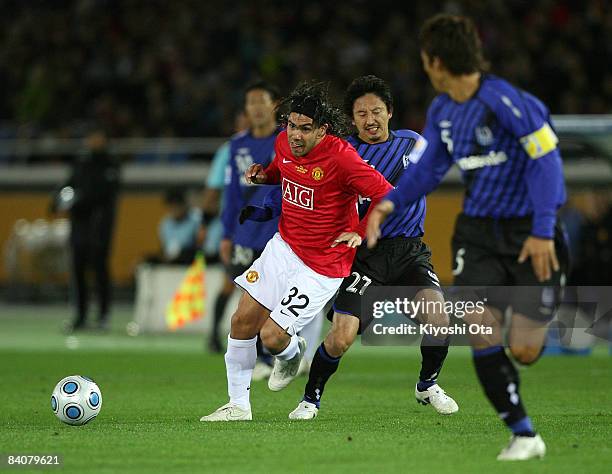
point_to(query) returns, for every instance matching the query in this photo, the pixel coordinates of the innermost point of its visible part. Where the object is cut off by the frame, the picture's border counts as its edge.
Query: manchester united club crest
(252, 276)
(317, 174)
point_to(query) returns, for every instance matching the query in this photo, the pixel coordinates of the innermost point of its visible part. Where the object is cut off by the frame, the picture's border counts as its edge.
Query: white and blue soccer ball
(76, 400)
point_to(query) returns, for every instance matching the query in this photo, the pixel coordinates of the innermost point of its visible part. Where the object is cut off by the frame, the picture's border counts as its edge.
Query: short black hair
(367, 85)
(312, 99)
(261, 84)
(454, 39)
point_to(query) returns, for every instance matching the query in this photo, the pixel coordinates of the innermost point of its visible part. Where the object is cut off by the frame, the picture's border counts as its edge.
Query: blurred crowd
(159, 68)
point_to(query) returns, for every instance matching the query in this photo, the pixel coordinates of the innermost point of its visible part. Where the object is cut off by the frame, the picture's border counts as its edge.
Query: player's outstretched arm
(363, 180)
(376, 219)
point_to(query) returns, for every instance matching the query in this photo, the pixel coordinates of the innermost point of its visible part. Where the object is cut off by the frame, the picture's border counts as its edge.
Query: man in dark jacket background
(90, 197)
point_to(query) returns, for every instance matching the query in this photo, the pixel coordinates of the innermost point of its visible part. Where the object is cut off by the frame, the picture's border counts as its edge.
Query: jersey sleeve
(359, 178)
(233, 200)
(546, 188)
(216, 173)
(429, 161)
(527, 119)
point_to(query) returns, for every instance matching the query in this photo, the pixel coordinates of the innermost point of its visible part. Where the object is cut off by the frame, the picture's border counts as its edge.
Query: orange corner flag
(188, 302)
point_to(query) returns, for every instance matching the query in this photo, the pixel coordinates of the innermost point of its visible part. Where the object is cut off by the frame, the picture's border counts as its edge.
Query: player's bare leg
(288, 352)
(240, 358)
(491, 318)
(341, 335)
(434, 350)
(526, 338)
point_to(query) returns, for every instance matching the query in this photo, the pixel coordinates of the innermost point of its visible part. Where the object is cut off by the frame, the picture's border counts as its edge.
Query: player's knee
(525, 355)
(243, 326)
(273, 337)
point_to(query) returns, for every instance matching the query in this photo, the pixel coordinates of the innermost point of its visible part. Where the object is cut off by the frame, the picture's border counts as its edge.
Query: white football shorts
(281, 282)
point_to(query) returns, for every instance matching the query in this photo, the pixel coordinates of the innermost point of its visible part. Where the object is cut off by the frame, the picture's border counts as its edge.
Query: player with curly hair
(303, 265)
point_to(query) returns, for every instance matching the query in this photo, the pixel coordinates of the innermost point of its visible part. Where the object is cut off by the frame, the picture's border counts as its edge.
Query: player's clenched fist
(255, 174)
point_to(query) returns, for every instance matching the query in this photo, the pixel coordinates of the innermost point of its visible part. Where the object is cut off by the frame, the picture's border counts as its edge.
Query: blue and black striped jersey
(246, 150)
(503, 142)
(391, 158)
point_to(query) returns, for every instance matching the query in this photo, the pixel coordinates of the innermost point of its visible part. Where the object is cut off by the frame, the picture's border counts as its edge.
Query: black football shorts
(485, 253)
(241, 261)
(398, 261)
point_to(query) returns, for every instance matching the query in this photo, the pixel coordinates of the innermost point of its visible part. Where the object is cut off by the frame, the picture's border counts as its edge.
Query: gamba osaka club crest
(484, 135)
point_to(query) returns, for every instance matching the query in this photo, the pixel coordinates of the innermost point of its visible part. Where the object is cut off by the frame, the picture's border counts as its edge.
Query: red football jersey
(320, 193)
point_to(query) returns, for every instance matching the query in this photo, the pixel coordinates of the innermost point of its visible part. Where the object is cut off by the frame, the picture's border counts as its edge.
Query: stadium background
(165, 80)
(172, 72)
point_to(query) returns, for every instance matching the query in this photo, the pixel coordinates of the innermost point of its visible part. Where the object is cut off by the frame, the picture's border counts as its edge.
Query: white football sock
(239, 362)
(291, 350)
(312, 334)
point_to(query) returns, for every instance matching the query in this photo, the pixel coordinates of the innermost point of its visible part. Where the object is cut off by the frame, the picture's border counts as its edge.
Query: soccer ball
(76, 400)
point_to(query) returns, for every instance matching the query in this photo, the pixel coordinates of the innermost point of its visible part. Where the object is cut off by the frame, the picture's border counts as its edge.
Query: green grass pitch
(155, 388)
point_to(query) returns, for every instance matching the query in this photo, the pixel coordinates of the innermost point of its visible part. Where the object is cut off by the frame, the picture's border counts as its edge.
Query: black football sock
(500, 382)
(433, 354)
(322, 368)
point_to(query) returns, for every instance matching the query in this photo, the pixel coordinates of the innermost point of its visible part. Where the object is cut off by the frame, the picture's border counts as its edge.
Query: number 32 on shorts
(295, 301)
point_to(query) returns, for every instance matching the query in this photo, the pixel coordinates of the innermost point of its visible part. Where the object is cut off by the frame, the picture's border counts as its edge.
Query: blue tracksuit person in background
(241, 245)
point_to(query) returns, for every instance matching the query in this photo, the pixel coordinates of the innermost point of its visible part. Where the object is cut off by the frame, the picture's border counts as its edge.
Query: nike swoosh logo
(286, 161)
(232, 416)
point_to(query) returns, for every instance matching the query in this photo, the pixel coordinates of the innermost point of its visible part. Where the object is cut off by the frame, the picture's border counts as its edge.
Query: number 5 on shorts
(460, 261)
